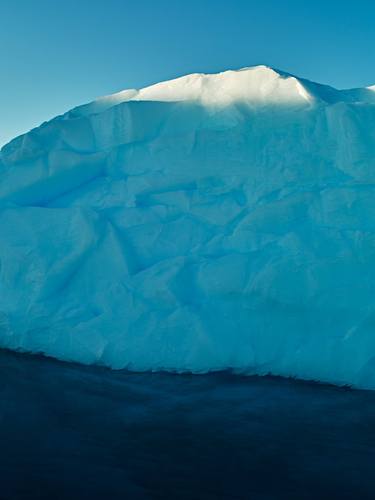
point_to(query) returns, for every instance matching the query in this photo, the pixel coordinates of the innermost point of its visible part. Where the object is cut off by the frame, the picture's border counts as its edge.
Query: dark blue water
(68, 431)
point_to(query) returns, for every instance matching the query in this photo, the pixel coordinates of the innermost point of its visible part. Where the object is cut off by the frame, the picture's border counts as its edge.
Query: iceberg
(212, 222)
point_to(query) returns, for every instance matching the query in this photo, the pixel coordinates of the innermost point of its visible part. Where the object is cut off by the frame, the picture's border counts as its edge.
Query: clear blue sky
(55, 54)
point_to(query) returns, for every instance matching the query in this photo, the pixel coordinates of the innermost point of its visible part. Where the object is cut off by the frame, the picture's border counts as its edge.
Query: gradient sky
(56, 54)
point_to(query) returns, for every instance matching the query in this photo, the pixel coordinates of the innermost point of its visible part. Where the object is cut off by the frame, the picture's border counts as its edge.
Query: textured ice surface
(210, 222)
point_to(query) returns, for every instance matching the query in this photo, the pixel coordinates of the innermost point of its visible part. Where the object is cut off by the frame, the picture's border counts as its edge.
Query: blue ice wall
(212, 222)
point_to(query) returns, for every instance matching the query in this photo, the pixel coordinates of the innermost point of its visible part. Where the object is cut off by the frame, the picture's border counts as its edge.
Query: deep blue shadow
(68, 431)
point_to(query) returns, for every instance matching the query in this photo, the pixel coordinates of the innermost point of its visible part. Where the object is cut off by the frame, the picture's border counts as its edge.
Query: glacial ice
(210, 222)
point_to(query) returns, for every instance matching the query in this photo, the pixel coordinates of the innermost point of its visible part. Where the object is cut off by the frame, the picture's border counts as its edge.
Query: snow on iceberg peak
(258, 84)
(210, 222)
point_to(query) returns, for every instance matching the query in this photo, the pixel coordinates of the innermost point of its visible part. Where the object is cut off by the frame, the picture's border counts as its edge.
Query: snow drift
(211, 222)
